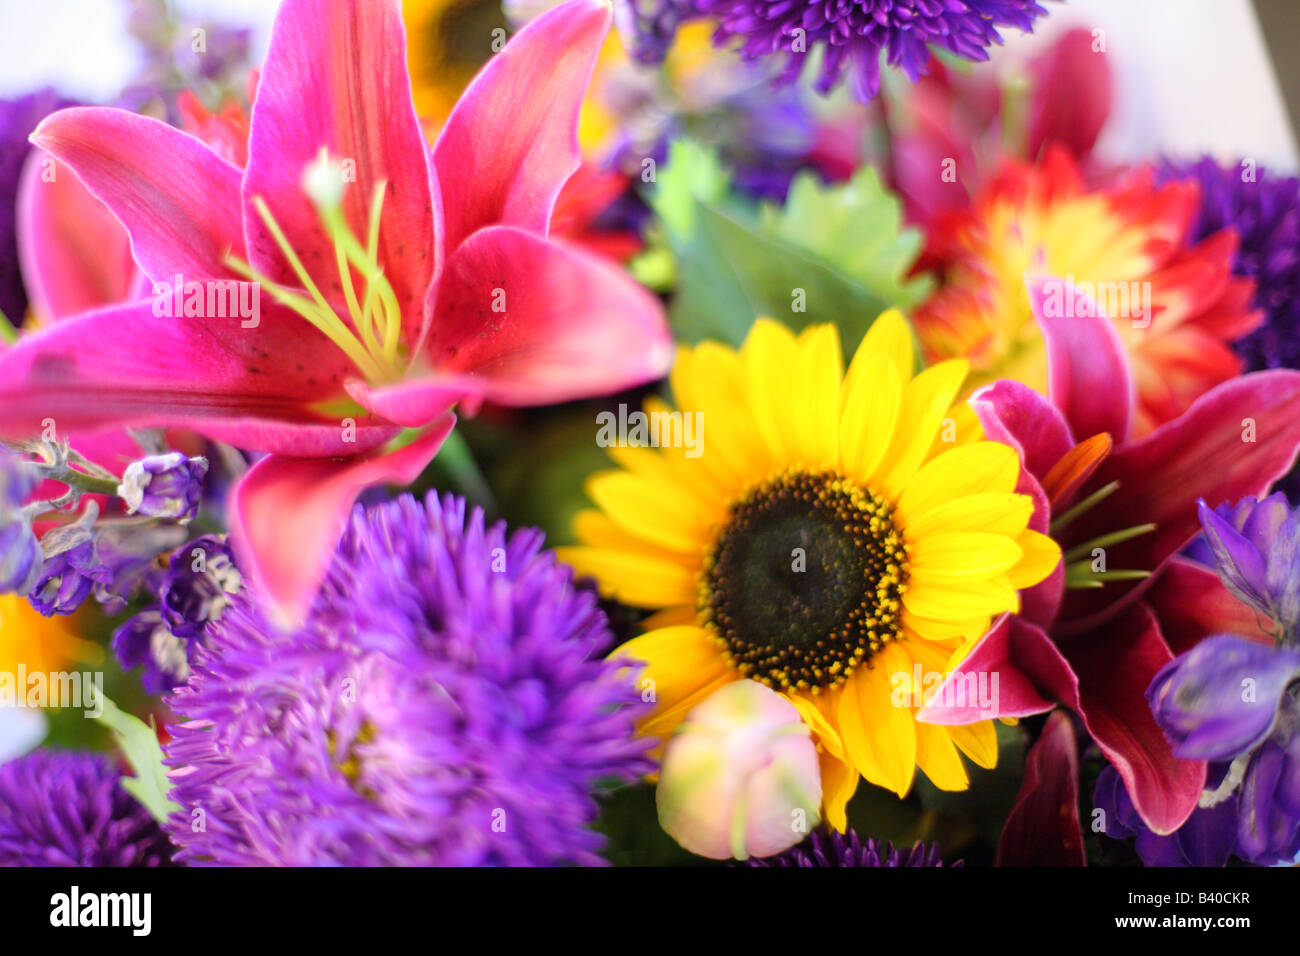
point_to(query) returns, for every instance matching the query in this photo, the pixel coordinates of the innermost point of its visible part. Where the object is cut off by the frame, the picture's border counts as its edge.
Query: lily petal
(511, 143)
(1043, 828)
(1192, 603)
(1088, 372)
(177, 198)
(288, 514)
(75, 254)
(336, 77)
(536, 322)
(124, 366)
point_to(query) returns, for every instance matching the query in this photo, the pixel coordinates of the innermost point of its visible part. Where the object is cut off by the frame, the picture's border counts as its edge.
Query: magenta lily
(422, 279)
(1096, 649)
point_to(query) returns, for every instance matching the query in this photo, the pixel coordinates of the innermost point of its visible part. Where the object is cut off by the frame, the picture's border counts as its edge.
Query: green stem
(8, 331)
(458, 461)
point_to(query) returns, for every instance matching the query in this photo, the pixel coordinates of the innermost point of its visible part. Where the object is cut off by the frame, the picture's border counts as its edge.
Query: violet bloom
(1263, 209)
(1206, 839)
(200, 580)
(442, 703)
(850, 34)
(164, 486)
(828, 848)
(72, 567)
(68, 809)
(21, 559)
(1256, 547)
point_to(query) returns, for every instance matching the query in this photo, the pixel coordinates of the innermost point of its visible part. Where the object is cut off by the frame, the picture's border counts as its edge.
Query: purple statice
(18, 117)
(1255, 546)
(828, 848)
(164, 486)
(850, 33)
(198, 584)
(443, 703)
(1264, 210)
(69, 809)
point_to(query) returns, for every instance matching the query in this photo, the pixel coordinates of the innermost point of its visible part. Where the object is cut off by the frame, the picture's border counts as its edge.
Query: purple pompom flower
(1264, 210)
(828, 848)
(164, 486)
(69, 809)
(850, 33)
(1256, 547)
(442, 704)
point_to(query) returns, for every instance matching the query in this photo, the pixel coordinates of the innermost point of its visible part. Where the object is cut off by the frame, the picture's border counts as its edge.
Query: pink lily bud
(740, 776)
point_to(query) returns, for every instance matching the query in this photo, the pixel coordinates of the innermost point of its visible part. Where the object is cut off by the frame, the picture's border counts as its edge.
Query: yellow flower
(826, 534)
(44, 644)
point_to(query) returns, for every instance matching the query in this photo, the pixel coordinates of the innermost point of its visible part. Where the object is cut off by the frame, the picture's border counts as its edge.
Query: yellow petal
(839, 782)
(880, 737)
(768, 352)
(733, 446)
(680, 664)
(978, 741)
(961, 558)
(938, 758)
(926, 402)
(869, 418)
(991, 512)
(673, 521)
(823, 731)
(595, 529)
(637, 579)
(952, 603)
(1041, 556)
(889, 337)
(985, 466)
(816, 397)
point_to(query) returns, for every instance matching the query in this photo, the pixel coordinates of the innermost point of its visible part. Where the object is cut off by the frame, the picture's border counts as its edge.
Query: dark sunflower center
(805, 579)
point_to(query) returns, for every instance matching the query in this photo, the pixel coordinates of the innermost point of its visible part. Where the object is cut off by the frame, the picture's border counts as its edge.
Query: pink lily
(426, 280)
(1097, 649)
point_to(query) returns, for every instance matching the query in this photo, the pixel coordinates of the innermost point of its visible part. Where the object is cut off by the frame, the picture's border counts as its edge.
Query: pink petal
(178, 200)
(336, 76)
(1115, 665)
(1014, 414)
(1192, 603)
(75, 255)
(123, 366)
(289, 513)
(1201, 454)
(1027, 666)
(511, 142)
(416, 403)
(536, 322)
(1072, 94)
(1043, 828)
(1088, 373)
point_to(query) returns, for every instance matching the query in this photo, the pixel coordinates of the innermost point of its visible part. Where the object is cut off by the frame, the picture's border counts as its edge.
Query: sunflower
(826, 535)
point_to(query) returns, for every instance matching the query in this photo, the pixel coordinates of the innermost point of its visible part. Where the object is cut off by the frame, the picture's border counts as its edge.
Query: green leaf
(139, 744)
(856, 227)
(693, 174)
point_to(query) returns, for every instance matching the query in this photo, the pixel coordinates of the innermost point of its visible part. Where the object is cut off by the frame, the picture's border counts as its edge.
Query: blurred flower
(321, 383)
(1174, 305)
(819, 538)
(1232, 702)
(198, 585)
(740, 775)
(18, 117)
(37, 642)
(1256, 547)
(448, 41)
(164, 486)
(72, 566)
(443, 704)
(848, 34)
(21, 561)
(1122, 510)
(1263, 209)
(828, 848)
(69, 809)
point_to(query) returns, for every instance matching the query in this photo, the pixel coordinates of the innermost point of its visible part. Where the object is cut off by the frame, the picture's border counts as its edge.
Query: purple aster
(1255, 545)
(850, 33)
(443, 704)
(68, 809)
(1264, 210)
(164, 486)
(828, 848)
(18, 117)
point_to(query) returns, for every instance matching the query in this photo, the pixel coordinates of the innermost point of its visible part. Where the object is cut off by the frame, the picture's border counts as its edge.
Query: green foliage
(835, 254)
(139, 744)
